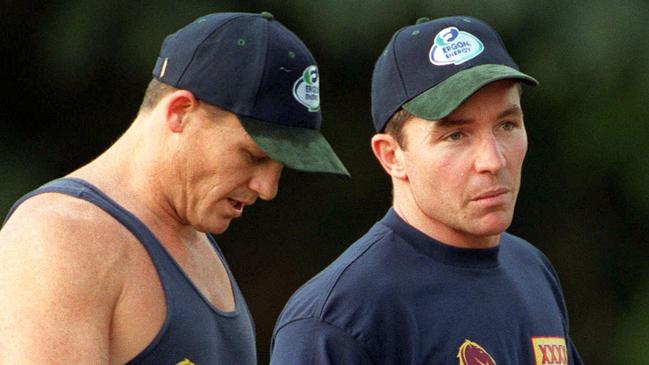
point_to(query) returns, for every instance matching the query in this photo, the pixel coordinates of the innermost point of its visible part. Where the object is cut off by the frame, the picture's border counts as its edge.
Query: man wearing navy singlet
(112, 264)
(438, 280)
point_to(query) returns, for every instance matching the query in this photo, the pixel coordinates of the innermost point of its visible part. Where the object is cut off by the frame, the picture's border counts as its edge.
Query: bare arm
(58, 287)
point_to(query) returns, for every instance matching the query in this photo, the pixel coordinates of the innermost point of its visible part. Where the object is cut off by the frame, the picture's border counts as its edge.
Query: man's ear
(390, 155)
(177, 107)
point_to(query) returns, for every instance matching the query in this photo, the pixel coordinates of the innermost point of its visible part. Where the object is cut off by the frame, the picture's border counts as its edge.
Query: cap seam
(393, 44)
(191, 60)
(396, 62)
(263, 70)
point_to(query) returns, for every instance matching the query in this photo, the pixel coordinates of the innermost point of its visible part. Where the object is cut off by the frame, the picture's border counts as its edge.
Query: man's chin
(215, 227)
(493, 224)
(221, 229)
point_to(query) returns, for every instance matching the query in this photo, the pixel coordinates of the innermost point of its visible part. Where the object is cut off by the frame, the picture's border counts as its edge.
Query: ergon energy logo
(550, 351)
(454, 47)
(306, 89)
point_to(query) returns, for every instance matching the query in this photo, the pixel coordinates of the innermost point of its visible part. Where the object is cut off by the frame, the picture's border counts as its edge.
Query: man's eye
(508, 126)
(455, 136)
(256, 159)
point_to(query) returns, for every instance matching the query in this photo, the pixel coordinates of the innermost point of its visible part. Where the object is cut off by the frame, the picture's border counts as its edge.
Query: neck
(407, 208)
(132, 173)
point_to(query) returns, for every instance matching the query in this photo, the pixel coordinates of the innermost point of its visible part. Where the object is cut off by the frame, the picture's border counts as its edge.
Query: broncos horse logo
(470, 353)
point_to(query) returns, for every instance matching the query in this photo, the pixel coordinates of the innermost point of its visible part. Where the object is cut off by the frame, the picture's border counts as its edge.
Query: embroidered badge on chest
(470, 353)
(185, 362)
(550, 351)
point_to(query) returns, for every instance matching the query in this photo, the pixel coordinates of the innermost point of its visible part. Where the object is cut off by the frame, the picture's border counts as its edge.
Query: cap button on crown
(422, 20)
(267, 15)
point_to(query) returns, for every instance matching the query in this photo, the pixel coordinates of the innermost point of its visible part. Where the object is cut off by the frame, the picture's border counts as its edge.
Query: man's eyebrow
(512, 110)
(452, 122)
(448, 121)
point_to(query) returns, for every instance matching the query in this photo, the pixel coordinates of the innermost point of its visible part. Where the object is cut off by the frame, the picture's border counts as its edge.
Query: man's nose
(266, 182)
(490, 157)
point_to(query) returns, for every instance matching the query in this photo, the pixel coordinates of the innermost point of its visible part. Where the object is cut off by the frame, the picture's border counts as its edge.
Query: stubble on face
(214, 167)
(463, 173)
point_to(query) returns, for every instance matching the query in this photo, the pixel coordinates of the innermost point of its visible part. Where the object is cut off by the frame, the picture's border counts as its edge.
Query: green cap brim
(440, 100)
(301, 149)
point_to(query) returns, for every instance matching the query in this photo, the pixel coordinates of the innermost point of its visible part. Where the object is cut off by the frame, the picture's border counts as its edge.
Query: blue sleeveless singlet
(194, 331)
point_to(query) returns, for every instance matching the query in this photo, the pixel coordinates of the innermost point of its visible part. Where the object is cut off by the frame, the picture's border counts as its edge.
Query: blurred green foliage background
(74, 73)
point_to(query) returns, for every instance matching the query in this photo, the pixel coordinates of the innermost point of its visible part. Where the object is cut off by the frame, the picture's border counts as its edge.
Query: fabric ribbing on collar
(450, 255)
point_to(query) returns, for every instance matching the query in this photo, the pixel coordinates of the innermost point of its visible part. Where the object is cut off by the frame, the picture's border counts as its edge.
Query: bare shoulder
(64, 228)
(61, 274)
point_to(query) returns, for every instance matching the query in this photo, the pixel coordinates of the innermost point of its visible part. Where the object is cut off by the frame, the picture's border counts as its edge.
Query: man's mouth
(237, 205)
(489, 194)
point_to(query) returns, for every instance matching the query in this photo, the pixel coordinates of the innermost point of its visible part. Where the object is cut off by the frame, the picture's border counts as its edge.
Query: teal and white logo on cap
(453, 47)
(306, 89)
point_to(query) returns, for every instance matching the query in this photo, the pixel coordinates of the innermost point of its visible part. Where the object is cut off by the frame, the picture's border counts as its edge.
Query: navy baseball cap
(254, 67)
(431, 67)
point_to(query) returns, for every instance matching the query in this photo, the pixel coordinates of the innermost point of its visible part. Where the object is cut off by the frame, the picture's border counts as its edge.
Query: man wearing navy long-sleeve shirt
(438, 280)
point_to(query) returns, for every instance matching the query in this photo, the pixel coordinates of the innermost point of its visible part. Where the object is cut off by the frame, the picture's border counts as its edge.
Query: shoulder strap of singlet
(83, 190)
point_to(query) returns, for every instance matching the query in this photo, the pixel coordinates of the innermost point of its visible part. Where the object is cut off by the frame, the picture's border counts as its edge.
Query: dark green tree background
(73, 75)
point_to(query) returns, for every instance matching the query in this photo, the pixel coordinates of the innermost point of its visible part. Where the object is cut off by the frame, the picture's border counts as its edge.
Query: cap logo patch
(306, 89)
(454, 47)
(470, 353)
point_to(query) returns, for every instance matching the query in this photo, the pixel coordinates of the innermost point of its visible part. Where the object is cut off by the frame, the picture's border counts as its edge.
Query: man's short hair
(155, 91)
(394, 127)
